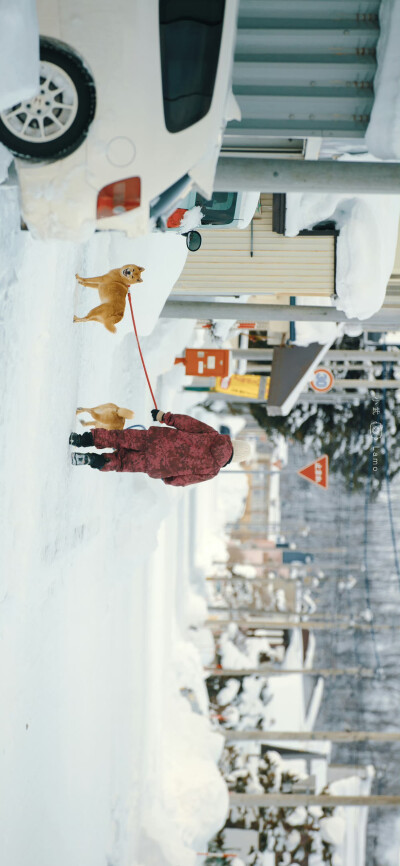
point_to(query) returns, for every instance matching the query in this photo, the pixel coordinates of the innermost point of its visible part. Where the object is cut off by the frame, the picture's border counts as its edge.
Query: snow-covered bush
(239, 702)
(292, 833)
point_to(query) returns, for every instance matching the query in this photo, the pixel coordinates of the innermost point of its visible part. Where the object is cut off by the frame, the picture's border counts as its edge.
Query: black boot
(96, 461)
(81, 440)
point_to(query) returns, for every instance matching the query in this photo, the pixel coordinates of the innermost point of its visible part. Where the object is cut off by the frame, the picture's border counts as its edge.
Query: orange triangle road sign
(317, 471)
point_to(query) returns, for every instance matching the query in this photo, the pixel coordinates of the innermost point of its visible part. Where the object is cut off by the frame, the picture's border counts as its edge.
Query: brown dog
(112, 288)
(108, 415)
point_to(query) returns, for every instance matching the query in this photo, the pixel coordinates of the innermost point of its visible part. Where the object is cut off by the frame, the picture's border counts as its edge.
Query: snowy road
(94, 593)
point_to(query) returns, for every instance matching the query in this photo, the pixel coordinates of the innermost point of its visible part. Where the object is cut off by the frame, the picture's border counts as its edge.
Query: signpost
(317, 472)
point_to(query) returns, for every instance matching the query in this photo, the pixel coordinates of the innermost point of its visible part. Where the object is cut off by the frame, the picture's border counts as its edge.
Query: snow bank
(9, 230)
(96, 607)
(191, 219)
(187, 800)
(5, 160)
(74, 547)
(366, 245)
(383, 133)
(19, 59)
(195, 797)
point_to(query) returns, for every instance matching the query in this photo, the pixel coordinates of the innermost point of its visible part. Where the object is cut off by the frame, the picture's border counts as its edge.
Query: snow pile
(383, 133)
(195, 798)
(5, 160)
(347, 827)
(316, 332)
(191, 219)
(239, 652)
(188, 800)
(19, 59)
(227, 695)
(366, 245)
(9, 230)
(333, 829)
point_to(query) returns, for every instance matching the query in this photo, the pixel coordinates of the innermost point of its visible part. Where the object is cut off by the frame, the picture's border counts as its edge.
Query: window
(219, 210)
(190, 39)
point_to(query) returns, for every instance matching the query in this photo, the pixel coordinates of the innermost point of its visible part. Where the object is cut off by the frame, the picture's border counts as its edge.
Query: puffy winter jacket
(187, 452)
(183, 452)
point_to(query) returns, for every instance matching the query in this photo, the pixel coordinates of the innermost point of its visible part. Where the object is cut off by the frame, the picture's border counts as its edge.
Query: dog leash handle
(140, 352)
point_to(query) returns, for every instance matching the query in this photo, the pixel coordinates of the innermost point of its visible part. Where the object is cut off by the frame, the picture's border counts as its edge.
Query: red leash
(140, 351)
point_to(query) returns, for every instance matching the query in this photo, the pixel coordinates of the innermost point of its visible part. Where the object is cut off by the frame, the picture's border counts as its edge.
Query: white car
(134, 96)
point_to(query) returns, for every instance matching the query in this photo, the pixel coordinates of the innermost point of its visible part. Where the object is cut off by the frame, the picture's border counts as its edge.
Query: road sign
(322, 380)
(317, 472)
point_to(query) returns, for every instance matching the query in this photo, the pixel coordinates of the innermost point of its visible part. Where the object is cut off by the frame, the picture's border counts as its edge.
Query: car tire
(54, 123)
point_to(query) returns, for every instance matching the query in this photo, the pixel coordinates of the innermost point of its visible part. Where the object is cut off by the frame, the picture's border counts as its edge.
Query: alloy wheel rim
(48, 114)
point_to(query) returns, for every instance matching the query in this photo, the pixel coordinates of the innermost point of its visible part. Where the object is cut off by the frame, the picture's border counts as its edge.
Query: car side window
(190, 39)
(219, 210)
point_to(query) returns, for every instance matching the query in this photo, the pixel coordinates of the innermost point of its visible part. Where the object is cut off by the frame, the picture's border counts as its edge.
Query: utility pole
(358, 384)
(310, 736)
(388, 318)
(315, 552)
(305, 397)
(244, 174)
(304, 625)
(377, 355)
(248, 801)
(273, 671)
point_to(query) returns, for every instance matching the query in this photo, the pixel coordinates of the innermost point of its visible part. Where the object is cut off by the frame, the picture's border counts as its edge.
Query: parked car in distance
(133, 99)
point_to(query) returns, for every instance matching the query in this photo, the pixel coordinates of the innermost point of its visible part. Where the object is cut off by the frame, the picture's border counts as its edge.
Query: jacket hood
(221, 449)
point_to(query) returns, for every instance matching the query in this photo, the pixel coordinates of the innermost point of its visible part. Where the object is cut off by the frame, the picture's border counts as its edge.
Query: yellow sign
(244, 386)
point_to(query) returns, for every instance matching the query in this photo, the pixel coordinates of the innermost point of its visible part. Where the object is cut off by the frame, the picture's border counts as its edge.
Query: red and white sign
(317, 472)
(322, 380)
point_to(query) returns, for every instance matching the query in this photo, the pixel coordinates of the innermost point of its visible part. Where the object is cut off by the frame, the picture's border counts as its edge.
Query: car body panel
(128, 136)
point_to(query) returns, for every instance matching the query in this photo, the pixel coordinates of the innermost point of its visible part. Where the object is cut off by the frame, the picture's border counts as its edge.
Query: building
(303, 75)
(261, 261)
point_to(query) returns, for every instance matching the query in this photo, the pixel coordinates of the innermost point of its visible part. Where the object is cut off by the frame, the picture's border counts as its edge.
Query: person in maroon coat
(183, 452)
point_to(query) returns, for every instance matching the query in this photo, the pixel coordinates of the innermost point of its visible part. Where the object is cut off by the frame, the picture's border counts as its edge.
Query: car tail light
(118, 197)
(175, 219)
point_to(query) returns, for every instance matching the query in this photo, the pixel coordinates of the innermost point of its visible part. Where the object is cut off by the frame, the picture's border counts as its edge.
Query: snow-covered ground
(103, 759)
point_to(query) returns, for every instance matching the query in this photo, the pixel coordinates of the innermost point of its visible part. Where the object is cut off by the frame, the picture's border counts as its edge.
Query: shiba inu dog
(112, 288)
(108, 415)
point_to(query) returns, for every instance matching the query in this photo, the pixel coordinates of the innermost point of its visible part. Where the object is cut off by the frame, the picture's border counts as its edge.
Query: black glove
(157, 415)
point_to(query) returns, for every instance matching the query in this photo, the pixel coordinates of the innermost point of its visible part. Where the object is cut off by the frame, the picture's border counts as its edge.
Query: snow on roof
(383, 133)
(281, 382)
(366, 245)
